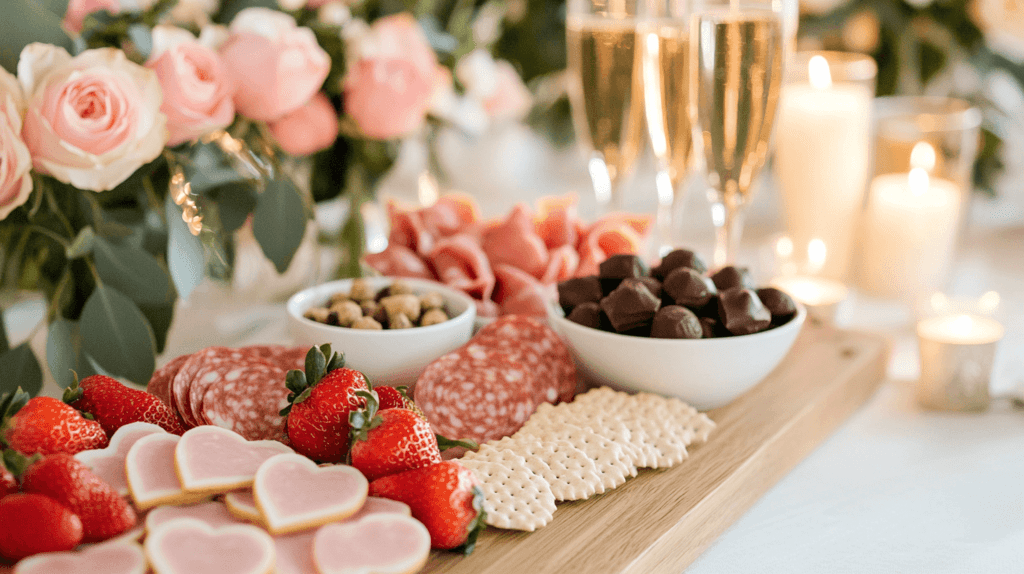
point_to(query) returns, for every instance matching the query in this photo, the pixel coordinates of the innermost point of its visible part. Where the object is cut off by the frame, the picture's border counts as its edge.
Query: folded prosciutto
(459, 262)
(398, 261)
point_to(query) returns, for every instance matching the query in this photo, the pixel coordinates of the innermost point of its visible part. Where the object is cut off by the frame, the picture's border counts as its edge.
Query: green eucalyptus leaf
(134, 272)
(4, 343)
(28, 21)
(159, 317)
(64, 352)
(20, 368)
(235, 202)
(83, 243)
(142, 37)
(279, 222)
(117, 336)
(185, 258)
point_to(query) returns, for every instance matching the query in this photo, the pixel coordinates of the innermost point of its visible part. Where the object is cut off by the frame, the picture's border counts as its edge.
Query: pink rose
(390, 84)
(197, 91)
(15, 161)
(276, 65)
(77, 11)
(93, 119)
(309, 129)
(510, 100)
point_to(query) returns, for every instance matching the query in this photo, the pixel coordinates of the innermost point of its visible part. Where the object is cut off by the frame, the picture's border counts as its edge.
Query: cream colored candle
(821, 296)
(957, 353)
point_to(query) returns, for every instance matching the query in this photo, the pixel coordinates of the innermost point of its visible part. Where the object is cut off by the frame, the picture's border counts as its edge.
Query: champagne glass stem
(666, 211)
(602, 181)
(728, 220)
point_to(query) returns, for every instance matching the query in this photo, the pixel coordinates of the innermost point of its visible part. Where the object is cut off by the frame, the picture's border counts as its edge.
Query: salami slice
(212, 374)
(287, 358)
(475, 392)
(532, 343)
(248, 400)
(210, 357)
(160, 382)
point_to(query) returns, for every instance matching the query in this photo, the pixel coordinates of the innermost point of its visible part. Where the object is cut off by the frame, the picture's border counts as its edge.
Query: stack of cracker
(575, 450)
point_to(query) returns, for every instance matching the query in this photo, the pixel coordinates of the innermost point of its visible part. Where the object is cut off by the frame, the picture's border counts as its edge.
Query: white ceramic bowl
(389, 357)
(706, 373)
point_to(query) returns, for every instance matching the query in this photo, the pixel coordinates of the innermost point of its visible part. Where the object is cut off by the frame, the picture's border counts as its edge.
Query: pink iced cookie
(108, 463)
(377, 505)
(189, 546)
(295, 553)
(381, 543)
(215, 460)
(242, 505)
(293, 493)
(212, 513)
(108, 558)
(149, 468)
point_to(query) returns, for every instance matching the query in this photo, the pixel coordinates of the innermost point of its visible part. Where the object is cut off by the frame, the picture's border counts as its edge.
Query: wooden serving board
(662, 520)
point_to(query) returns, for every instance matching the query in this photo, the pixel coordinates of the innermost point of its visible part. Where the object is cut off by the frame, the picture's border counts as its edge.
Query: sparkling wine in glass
(736, 75)
(605, 90)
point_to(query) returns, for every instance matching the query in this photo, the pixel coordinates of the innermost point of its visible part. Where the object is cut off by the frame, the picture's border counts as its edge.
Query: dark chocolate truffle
(676, 322)
(676, 259)
(779, 304)
(713, 328)
(729, 277)
(653, 285)
(742, 312)
(579, 290)
(622, 266)
(590, 315)
(630, 306)
(689, 288)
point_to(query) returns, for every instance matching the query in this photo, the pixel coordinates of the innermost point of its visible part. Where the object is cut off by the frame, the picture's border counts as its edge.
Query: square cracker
(514, 497)
(570, 472)
(613, 465)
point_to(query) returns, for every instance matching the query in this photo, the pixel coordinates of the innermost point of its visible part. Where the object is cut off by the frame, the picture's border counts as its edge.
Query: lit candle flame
(784, 247)
(923, 156)
(817, 252)
(988, 302)
(918, 181)
(818, 72)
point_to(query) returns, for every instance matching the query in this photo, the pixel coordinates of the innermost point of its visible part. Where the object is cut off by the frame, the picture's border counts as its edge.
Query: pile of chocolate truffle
(678, 299)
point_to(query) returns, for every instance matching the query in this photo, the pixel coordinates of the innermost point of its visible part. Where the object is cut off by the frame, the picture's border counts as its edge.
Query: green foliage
(64, 354)
(20, 368)
(117, 336)
(279, 222)
(37, 21)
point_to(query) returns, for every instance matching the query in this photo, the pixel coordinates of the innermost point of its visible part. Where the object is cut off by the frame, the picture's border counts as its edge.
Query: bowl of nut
(388, 328)
(676, 329)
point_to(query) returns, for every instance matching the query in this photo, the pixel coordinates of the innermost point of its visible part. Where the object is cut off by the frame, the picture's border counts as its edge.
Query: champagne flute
(664, 34)
(605, 90)
(736, 75)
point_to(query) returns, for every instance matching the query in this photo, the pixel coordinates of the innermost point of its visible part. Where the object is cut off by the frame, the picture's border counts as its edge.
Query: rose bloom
(197, 91)
(92, 120)
(15, 161)
(495, 84)
(77, 11)
(307, 130)
(276, 65)
(390, 82)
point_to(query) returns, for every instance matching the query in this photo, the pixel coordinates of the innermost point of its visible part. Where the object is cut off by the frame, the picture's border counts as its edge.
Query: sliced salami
(160, 382)
(212, 374)
(210, 357)
(535, 345)
(248, 400)
(476, 392)
(285, 357)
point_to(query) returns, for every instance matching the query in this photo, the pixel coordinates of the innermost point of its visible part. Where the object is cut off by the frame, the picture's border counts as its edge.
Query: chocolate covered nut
(742, 312)
(433, 317)
(779, 304)
(643, 330)
(587, 314)
(360, 290)
(400, 321)
(653, 285)
(676, 259)
(689, 288)
(408, 305)
(367, 323)
(712, 327)
(729, 277)
(676, 322)
(318, 314)
(432, 300)
(622, 266)
(348, 312)
(400, 287)
(579, 290)
(630, 306)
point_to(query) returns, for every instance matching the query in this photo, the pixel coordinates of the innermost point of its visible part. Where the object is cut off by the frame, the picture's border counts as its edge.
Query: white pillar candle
(821, 159)
(910, 229)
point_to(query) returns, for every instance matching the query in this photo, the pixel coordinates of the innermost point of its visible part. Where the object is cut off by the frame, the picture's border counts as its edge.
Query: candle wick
(918, 181)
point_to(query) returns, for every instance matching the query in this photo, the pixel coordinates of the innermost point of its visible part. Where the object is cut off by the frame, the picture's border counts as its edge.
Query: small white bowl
(706, 373)
(392, 356)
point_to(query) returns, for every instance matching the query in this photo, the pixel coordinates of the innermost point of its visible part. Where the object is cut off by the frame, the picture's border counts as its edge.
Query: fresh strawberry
(65, 479)
(33, 523)
(12, 465)
(45, 425)
(114, 405)
(445, 497)
(390, 441)
(390, 398)
(398, 398)
(8, 483)
(321, 400)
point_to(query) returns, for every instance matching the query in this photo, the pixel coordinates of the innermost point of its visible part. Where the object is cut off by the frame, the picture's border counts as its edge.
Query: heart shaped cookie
(214, 460)
(295, 553)
(381, 544)
(190, 546)
(108, 463)
(212, 513)
(107, 558)
(149, 468)
(293, 493)
(378, 505)
(241, 504)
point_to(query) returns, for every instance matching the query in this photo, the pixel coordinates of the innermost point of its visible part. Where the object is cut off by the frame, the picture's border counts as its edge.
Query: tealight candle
(957, 352)
(820, 295)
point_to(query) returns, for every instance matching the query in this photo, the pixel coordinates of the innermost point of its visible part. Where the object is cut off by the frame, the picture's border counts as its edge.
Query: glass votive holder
(957, 353)
(823, 153)
(925, 149)
(797, 275)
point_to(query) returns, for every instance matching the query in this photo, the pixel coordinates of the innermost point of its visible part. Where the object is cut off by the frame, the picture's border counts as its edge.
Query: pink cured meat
(529, 342)
(285, 357)
(451, 214)
(557, 221)
(248, 400)
(517, 292)
(160, 382)
(210, 357)
(460, 263)
(214, 374)
(398, 261)
(562, 264)
(407, 230)
(514, 242)
(475, 392)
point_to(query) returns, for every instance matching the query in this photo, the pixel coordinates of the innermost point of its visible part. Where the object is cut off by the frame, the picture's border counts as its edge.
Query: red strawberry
(445, 497)
(321, 400)
(114, 405)
(103, 512)
(8, 484)
(33, 523)
(390, 441)
(396, 398)
(45, 425)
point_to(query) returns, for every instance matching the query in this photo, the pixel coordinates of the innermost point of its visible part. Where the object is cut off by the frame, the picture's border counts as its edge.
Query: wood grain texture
(660, 521)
